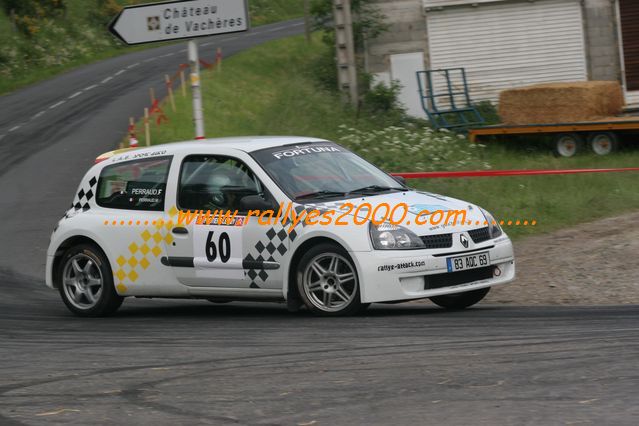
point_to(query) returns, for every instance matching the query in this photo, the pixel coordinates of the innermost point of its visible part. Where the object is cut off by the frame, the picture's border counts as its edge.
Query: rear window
(134, 185)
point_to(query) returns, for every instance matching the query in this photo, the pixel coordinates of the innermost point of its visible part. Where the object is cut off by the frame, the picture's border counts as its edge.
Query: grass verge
(76, 39)
(271, 90)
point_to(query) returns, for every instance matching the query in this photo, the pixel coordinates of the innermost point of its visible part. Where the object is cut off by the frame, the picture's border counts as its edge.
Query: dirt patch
(594, 263)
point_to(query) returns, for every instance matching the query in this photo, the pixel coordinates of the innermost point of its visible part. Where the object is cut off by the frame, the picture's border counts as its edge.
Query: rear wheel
(602, 143)
(327, 281)
(460, 300)
(567, 144)
(86, 282)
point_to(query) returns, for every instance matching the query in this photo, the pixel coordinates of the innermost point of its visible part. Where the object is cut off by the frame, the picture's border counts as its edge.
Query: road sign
(173, 20)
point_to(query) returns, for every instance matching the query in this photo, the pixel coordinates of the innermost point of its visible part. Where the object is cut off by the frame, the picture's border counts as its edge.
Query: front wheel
(567, 144)
(327, 281)
(460, 300)
(85, 282)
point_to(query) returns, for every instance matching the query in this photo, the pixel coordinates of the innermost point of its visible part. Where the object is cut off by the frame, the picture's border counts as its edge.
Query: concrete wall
(407, 33)
(602, 41)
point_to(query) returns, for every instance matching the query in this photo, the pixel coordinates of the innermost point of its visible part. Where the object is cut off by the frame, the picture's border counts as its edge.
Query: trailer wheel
(567, 144)
(602, 143)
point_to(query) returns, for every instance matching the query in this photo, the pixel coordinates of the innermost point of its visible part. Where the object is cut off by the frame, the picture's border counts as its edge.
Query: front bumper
(387, 276)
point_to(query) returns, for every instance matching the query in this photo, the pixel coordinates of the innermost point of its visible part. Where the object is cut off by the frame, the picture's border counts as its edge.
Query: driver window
(210, 182)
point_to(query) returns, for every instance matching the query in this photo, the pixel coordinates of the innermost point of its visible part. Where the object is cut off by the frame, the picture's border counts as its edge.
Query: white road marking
(120, 72)
(56, 105)
(106, 80)
(169, 54)
(206, 44)
(75, 95)
(14, 128)
(38, 115)
(93, 86)
(183, 51)
(297, 25)
(133, 65)
(152, 59)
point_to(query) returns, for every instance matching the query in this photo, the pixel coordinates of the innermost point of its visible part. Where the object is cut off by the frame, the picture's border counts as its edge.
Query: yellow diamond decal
(121, 288)
(146, 235)
(120, 274)
(173, 211)
(156, 251)
(133, 276)
(168, 238)
(133, 262)
(133, 248)
(121, 260)
(157, 237)
(144, 263)
(144, 249)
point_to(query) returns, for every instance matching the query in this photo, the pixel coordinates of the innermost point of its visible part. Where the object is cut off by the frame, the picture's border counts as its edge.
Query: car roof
(245, 143)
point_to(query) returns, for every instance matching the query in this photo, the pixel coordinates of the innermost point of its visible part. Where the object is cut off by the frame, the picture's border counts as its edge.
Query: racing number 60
(224, 244)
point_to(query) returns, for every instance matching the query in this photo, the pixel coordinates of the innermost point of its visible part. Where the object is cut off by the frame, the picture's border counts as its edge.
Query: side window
(215, 183)
(134, 185)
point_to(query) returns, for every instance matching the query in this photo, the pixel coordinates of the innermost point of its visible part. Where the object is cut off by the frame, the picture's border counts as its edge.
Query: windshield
(323, 170)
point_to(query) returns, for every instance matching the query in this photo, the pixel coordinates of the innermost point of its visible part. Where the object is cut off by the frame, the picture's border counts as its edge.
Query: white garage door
(505, 44)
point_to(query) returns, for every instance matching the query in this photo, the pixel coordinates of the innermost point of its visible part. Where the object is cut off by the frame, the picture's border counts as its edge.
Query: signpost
(174, 20)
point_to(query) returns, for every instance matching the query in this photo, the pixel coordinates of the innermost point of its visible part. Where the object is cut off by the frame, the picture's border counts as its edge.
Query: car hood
(416, 202)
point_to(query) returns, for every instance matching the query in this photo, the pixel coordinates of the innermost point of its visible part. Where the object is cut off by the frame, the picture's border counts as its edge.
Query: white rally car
(132, 230)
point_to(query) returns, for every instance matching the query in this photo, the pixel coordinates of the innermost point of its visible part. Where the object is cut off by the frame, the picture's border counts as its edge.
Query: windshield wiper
(321, 194)
(376, 188)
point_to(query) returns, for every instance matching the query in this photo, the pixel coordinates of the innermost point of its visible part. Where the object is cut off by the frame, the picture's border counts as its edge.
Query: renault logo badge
(463, 240)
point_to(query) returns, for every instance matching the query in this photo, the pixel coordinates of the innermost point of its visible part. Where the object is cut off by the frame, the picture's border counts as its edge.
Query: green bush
(30, 15)
(104, 12)
(488, 112)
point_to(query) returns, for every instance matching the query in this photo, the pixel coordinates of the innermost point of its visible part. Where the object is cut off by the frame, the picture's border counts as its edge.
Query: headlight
(392, 237)
(494, 230)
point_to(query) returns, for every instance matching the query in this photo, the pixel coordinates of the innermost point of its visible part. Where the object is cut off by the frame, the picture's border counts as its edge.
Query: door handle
(180, 230)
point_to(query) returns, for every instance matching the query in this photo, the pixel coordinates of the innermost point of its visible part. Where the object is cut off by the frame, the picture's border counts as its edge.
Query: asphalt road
(189, 362)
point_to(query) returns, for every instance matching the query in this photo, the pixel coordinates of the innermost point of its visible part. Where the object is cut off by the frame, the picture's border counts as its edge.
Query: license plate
(472, 261)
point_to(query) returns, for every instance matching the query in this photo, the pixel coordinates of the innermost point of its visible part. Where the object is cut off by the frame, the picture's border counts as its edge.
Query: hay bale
(561, 102)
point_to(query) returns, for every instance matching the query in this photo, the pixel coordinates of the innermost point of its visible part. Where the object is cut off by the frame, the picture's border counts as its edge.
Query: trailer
(602, 136)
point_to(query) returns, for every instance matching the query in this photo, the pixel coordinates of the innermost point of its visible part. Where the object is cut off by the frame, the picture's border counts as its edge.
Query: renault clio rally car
(126, 233)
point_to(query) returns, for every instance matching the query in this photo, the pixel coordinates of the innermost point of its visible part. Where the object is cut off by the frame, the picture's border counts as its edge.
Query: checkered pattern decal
(272, 247)
(83, 198)
(148, 245)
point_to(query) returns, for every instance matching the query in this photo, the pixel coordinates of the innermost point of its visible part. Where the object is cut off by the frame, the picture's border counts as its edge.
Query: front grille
(480, 235)
(438, 241)
(454, 278)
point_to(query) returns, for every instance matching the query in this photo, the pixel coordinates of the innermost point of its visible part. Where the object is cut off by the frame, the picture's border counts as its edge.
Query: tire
(603, 143)
(567, 144)
(460, 300)
(86, 282)
(327, 281)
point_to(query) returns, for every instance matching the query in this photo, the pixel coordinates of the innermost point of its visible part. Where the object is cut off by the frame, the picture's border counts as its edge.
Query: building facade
(508, 43)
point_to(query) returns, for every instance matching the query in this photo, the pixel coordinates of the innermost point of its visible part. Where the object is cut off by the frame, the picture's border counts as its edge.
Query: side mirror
(255, 202)
(400, 179)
